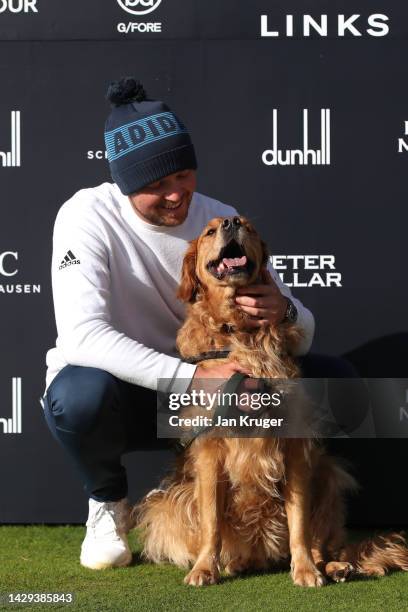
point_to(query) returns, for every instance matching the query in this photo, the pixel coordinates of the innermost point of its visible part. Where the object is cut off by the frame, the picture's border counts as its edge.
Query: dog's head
(228, 252)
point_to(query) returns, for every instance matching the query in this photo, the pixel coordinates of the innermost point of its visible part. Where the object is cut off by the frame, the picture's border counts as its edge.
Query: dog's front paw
(202, 577)
(307, 575)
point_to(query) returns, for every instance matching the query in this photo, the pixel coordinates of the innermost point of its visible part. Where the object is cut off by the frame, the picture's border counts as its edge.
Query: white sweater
(114, 281)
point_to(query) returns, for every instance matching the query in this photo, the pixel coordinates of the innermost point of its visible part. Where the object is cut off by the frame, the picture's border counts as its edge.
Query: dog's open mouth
(231, 261)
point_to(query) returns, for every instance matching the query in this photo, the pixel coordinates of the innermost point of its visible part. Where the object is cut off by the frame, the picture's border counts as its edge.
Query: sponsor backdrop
(299, 116)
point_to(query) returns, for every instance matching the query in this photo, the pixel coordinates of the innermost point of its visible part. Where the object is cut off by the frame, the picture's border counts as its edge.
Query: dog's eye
(210, 231)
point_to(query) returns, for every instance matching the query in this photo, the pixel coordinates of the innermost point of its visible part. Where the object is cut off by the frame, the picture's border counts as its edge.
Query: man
(117, 255)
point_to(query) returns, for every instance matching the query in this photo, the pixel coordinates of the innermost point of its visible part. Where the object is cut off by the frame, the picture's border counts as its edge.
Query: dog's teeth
(234, 262)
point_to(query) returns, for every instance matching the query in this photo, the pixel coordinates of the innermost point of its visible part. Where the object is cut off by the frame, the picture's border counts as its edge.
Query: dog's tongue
(234, 262)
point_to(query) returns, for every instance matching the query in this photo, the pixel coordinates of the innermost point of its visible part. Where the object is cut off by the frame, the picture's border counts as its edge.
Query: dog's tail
(376, 556)
(167, 522)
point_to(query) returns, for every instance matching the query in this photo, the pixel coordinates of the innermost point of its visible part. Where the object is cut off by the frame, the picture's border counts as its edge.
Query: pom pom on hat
(125, 91)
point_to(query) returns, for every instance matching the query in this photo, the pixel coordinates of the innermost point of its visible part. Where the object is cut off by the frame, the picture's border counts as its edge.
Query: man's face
(166, 202)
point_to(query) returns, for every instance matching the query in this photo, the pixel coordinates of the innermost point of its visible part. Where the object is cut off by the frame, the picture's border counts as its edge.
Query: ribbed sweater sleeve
(81, 297)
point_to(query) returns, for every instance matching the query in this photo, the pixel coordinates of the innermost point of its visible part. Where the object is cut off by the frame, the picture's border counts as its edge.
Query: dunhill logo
(13, 425)
(304, 156)
(12, 159)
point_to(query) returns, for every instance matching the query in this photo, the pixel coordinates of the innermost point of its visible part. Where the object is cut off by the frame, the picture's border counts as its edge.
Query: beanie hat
(145, 140)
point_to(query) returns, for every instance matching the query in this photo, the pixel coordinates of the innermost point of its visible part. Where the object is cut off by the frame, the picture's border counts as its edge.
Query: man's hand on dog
(264, 302)
(222, 370)
(206, 379)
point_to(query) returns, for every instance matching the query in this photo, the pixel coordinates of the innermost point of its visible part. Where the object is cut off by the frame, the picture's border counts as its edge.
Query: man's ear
(190, 284)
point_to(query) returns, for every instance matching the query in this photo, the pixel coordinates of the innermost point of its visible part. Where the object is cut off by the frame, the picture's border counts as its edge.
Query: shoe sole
(106, 565)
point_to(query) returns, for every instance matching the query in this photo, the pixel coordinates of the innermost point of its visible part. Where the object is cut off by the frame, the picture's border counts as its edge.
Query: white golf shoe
(105, 544)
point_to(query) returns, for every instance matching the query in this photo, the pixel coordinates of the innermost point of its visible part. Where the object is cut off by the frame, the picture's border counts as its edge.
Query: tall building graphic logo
(13, 425)
(304, 155)
(12, 159)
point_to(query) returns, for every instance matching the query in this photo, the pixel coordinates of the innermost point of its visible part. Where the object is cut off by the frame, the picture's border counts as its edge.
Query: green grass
(45, 559)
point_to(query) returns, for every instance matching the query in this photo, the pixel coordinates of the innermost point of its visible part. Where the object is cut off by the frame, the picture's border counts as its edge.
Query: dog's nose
(231, 223)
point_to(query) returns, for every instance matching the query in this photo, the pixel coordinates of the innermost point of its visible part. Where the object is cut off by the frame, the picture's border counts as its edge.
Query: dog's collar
(222, 410)
(208, 355)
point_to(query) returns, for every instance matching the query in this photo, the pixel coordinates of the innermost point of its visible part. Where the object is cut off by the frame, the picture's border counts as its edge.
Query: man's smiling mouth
(173, 206)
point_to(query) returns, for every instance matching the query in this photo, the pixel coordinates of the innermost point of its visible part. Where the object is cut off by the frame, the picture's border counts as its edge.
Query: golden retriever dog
(235, 504)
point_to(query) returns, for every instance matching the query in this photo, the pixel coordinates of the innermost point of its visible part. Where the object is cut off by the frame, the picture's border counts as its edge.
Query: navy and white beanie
(145, 140)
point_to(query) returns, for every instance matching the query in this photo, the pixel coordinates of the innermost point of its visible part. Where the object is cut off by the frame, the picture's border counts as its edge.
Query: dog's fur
(243, 503)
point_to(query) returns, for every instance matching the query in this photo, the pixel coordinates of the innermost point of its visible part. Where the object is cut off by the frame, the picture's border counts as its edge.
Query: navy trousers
(97, 418)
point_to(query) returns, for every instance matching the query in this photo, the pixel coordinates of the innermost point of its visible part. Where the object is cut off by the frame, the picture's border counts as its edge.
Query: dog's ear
(190, 284)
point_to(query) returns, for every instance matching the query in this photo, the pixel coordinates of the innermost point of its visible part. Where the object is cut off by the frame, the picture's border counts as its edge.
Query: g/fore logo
(305, 25)
(145, 6)
(13, 425)
(18, 6)
(12, 159)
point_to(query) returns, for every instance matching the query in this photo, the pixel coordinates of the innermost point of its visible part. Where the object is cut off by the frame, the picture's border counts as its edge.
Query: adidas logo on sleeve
(69, 260)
